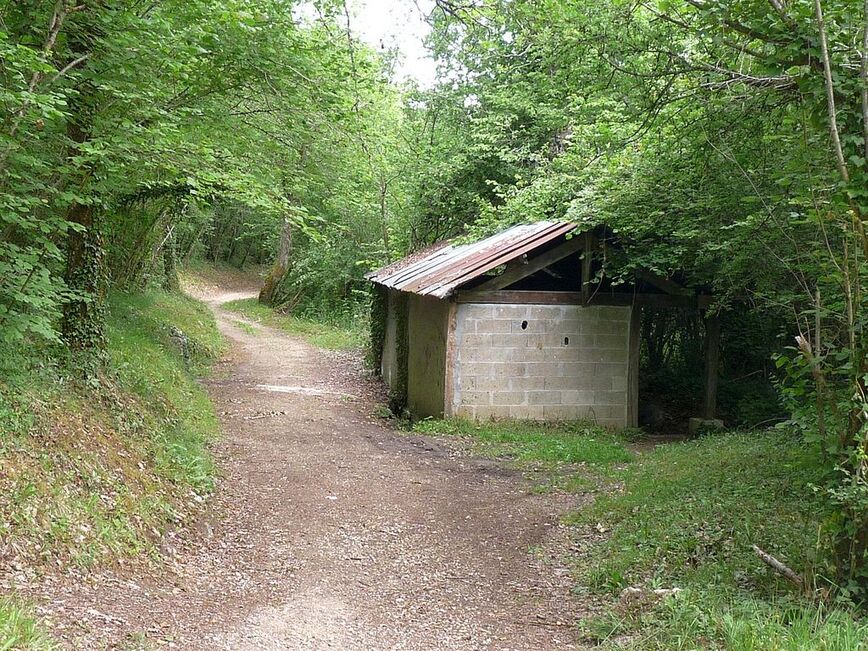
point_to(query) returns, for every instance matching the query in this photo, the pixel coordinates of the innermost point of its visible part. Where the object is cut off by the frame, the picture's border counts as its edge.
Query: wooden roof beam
(664, 284)
(521, 271)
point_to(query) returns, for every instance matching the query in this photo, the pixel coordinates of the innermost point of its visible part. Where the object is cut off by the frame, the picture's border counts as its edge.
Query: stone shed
(523, 324)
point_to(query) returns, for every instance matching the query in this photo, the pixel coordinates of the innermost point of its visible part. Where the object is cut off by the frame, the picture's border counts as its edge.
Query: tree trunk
(83, 323)
(269, 292)
(384, 222)
(170, 268)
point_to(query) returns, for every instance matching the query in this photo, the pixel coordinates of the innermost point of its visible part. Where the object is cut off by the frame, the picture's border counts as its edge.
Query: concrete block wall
(541, 362)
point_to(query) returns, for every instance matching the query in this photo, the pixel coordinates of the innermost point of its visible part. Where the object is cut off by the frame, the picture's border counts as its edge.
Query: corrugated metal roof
(442, 268)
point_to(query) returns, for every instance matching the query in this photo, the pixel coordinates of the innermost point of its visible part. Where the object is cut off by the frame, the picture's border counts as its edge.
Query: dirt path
(331, 531)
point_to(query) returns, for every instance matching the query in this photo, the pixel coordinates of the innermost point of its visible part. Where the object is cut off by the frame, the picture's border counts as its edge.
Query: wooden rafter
(521, 271)
(664, 284)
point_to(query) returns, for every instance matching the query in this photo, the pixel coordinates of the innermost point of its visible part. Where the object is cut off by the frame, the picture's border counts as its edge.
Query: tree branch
(863, 75)
(830, 94)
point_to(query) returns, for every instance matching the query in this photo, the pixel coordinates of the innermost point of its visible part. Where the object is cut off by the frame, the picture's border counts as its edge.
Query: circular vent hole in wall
(524, 325)
(566, 341)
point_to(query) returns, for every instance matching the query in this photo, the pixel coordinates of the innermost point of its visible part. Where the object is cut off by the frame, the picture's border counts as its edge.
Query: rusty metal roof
(442, 268)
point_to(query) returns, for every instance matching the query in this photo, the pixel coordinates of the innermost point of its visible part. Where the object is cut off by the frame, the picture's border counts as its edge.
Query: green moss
(379, 318)
(398, 390)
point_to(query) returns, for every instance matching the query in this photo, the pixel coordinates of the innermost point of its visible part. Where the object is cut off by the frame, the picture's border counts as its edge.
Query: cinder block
(494, 326)
(614, 340)
(542, 369)
(473, 354)
(532, 325)
(604, 398)
(593, 355)
(525, 354)
(511, 369)
(576, 369)
(462, 383)
(577, 397)
(511, 311)
(465, 411)
(510, 398)
(491, 383)
(544, 397)
(476, 369)
(552, 312)
(490, 413)
(476, 398)
(553, 339)
(534, 341)
(559, 382)
(615, 355)
(563, 354)
(527, 383)
(561, 412)
(475, 311)
(509, 341)
(610, 370)
(475, 340)
(568, 326)
(619, 382)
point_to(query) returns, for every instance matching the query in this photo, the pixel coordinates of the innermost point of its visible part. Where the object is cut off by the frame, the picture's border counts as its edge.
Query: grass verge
(528, 442)
(687, 517)
(99, 470)
(317, 333)
(683, 515)
(19, 629)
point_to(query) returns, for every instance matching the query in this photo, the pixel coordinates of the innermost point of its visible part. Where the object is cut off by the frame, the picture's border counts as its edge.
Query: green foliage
(524, 441)
(688, 517)
(349, 335)
(228, 121)
(719, 146)
(19, 629)
(149, 362)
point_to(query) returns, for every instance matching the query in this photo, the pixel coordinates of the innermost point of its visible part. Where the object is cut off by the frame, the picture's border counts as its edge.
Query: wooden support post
(712, 359)
(633, 360)
(587, 260)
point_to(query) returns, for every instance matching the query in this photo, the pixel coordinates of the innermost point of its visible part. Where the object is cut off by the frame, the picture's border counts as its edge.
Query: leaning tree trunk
(269, 292)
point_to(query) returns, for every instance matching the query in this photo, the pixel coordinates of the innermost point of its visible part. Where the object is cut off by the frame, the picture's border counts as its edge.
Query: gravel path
(329, 530)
